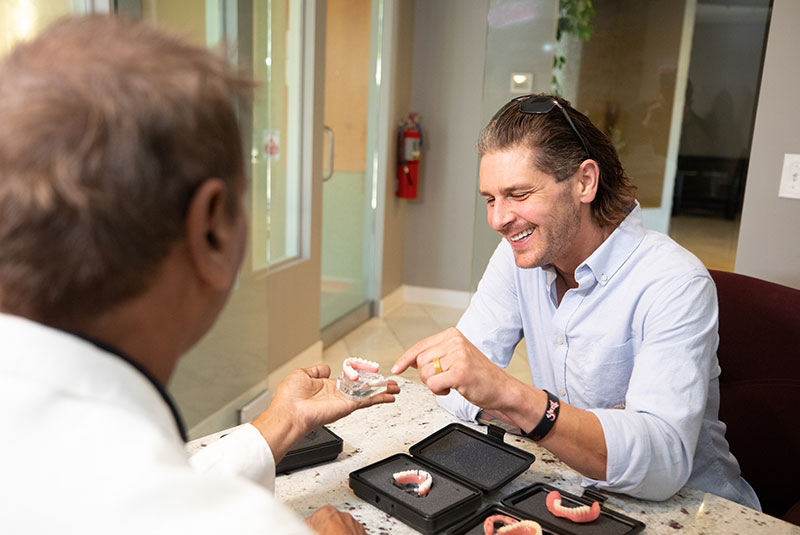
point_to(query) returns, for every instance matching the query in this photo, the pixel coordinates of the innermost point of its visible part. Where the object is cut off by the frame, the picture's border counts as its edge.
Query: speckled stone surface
(376, 433)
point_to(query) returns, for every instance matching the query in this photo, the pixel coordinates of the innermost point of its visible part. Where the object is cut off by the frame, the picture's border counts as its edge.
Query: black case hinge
(594, 495)
(496, 433)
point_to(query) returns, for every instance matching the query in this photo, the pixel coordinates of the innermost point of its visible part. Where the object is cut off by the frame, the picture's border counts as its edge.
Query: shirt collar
(606, 260)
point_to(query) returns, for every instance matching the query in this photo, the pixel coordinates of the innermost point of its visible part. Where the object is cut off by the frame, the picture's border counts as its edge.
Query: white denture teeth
(417, 482)
(523, 527)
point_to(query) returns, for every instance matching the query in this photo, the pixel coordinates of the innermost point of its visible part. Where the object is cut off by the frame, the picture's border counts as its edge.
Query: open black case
(530, 503)
(465, 464)
(319, 446)
(467, 467)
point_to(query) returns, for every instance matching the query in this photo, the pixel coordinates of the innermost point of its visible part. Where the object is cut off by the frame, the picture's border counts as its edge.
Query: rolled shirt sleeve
(651, 443)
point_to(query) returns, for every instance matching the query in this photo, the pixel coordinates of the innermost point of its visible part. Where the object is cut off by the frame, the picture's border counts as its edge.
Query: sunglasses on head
(542, 104)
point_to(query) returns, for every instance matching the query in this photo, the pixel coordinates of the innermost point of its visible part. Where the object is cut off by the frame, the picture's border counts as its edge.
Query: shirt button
(560, 341)
(562, 392)
(603, 277)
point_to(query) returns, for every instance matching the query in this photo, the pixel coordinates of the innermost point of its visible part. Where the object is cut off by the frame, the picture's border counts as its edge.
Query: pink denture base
(351, 366)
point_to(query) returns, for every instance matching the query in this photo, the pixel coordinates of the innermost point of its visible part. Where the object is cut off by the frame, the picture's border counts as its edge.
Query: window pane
(276, 131)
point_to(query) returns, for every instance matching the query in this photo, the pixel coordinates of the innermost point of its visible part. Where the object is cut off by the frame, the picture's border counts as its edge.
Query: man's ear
(588, 179)
(211, 235)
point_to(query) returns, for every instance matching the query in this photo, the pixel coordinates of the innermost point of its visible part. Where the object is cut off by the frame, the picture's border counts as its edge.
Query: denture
(579, 514)
(511, 526)
(416, 482)
(360, 379)
(353, 365)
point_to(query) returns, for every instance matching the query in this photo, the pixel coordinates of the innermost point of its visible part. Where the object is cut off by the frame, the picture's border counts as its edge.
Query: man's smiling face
(538, 216)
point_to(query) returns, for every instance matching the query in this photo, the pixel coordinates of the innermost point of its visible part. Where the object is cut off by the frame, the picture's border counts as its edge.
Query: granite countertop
(378, 432)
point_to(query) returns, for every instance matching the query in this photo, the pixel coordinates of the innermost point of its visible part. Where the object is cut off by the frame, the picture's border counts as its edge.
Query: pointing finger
(409, 358)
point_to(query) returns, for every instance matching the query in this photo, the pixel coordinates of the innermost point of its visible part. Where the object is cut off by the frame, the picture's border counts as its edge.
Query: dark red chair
(759, 352)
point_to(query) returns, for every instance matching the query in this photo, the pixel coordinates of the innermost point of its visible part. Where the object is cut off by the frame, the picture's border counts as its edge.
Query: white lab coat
(89, 446)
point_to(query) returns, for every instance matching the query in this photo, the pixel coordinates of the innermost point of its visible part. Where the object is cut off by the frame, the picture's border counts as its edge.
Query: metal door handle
(329, 174)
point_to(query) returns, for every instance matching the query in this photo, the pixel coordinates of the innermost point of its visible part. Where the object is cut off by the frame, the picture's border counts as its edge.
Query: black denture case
(319, 446)
(530, 503)
(465, 465)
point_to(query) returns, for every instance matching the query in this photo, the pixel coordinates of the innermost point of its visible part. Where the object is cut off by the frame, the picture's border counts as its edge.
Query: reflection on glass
(626, 79)
(276, 128)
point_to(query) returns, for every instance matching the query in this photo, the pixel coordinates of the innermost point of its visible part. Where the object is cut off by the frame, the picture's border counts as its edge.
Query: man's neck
(156, 327)
(590, 238)
(141, 333)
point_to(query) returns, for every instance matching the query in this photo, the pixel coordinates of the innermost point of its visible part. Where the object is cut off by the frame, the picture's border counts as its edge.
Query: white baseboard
(424, 296)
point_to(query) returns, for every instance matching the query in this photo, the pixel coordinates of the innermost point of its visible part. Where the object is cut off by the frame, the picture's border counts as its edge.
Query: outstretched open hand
(316, 400)
(305, 400)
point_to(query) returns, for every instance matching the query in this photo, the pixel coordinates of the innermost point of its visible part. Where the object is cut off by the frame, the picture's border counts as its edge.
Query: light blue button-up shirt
(635, 343)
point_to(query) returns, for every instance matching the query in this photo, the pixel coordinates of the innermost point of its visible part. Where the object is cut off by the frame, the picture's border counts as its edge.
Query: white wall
(394, 223)
(769, 235)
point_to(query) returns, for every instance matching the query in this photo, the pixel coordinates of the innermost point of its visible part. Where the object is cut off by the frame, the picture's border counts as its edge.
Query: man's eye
(519, 195)
(489, 200)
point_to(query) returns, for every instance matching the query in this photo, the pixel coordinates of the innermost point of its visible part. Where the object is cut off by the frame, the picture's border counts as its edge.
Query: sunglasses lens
(537, 105)
(540, 105)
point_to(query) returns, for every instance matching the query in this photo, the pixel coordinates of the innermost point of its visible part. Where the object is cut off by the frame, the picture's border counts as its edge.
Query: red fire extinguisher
(409, 145)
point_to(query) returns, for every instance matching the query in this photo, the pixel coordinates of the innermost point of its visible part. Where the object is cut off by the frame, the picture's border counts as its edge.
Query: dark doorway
(721, 94)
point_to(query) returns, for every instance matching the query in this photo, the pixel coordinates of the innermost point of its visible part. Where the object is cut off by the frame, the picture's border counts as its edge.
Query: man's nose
(500, 215)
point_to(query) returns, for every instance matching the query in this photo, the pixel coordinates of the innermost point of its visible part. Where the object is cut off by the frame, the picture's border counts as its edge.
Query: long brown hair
(558, 151)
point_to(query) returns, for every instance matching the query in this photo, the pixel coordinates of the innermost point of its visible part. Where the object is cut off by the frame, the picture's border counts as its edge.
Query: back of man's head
(106, 128)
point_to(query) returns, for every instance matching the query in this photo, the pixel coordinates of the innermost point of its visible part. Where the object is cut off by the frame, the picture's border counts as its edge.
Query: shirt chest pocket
(598, 375)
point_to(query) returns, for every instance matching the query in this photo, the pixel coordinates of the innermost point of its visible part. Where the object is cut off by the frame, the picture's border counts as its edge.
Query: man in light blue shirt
(620, 323)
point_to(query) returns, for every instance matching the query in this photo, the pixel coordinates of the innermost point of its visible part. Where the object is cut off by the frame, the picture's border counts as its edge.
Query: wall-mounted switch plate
(790, 178)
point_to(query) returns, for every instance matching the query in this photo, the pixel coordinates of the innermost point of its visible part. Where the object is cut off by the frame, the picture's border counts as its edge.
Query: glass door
(352, 66)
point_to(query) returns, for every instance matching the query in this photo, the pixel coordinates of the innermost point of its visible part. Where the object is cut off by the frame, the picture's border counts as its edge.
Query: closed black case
(319, 446)
(464, 464)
